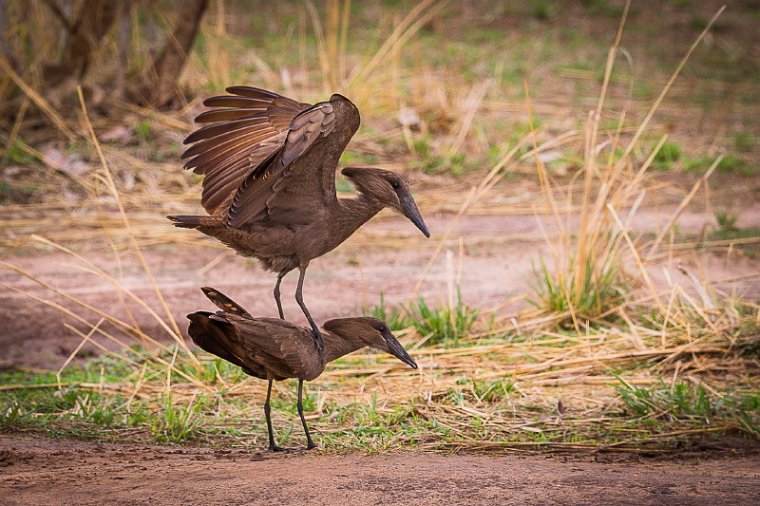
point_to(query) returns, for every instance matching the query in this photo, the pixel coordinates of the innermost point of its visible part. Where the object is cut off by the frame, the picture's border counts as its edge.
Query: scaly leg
(267, 412)
(299, 299)
(277, 294)
(309, 443)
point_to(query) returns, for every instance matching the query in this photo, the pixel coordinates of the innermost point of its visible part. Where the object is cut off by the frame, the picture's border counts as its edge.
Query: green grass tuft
(395, 317)
(174, 423)
(685, 401)
(667, 156)
(744, 141)
(444, 324)
(726, 220)
(602, 287)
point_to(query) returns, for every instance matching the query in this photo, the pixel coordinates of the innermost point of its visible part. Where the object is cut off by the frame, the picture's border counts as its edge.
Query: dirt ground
(34, 471)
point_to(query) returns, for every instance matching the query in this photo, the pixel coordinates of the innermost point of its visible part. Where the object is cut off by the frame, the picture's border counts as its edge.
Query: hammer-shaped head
(389, 189)
(370, 332)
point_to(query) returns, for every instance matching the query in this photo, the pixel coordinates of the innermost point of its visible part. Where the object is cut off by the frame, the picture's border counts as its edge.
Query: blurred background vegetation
(441, 86)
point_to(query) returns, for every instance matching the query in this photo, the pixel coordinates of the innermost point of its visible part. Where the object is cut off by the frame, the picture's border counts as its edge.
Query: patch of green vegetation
(732, 164)
(144, 130)
(685, 401)
(175, 423)
(729, 164)
(82, 409)
(437, 164)
(489, 392)
(17, 155)
(357, 158)
(667, 156)
(444, 324)
(427, 160)
(726, 220)
(744, 141)
(725, 234)
(602, 287)
(542, 9)
(395, 317)
(698, 165)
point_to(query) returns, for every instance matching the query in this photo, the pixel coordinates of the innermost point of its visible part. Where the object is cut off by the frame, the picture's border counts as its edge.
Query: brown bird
(275, 349)
(269, 188)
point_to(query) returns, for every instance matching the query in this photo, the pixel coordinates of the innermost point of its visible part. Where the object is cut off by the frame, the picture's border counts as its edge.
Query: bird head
(347, 114)
(388, 188)
(371, 332)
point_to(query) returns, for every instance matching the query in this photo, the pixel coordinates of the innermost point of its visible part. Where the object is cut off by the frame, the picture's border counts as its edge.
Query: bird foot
(310, 445)
(274, 448)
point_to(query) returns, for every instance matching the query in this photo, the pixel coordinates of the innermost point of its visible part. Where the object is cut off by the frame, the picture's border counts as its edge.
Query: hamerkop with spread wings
(269, 189)
(275, 349)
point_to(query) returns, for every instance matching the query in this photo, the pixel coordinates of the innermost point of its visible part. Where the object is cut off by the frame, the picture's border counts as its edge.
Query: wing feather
(241, 132)
(246, 151)
(252, 198)
(288, 349)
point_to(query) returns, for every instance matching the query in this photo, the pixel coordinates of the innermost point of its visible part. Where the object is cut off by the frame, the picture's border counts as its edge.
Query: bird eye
(383, 329)
(396, 185)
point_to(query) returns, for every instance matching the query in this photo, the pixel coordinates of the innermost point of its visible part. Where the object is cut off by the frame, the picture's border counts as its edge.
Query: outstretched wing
(244, 129)
(253, 138)
(258, 194)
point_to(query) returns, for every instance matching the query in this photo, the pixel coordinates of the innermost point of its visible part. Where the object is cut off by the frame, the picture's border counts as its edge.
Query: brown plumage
(275, 349)
(269, 188)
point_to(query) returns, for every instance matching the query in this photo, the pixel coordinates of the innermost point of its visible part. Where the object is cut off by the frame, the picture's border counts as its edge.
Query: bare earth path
(34, 471)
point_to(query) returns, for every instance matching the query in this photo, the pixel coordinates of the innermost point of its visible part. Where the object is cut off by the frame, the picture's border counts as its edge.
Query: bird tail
(210, 333)
(225, 303)
(189, 221)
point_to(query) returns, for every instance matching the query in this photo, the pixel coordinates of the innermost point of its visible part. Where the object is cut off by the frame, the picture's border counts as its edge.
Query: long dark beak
(409, 208)
(398, 351)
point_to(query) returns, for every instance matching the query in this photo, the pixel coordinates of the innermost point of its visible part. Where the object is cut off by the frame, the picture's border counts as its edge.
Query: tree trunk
(161, 83)
(124, 38)
(94, 20)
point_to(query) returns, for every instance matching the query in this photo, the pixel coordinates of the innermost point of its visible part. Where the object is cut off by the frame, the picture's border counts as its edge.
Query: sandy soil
(60, 472)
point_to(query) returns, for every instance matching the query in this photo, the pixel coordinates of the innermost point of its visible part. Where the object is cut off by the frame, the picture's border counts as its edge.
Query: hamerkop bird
(275, 349)
(269, 188)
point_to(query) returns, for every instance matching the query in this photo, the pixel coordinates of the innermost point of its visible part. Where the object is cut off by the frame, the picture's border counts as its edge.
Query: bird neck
(355, 212)
(336, 346)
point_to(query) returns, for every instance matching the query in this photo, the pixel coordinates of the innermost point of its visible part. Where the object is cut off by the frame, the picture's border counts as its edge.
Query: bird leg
(299, 298)
(309, 443)
(267, 412)
(277, 294)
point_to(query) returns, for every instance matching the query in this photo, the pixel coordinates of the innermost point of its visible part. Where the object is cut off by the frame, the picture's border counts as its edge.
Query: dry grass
(588, 368)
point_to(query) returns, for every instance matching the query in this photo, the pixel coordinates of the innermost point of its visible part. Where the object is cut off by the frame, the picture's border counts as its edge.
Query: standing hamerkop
(275, 349)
